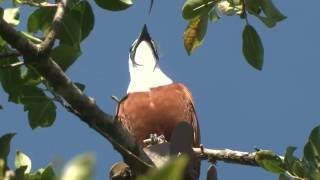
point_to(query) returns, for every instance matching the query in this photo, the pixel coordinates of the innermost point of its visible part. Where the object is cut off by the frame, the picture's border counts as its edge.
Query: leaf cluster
(79, 168)
(291, 167)
(200, 12)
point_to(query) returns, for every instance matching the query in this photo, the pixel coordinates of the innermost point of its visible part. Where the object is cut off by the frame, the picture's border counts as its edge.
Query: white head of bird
(145, 72)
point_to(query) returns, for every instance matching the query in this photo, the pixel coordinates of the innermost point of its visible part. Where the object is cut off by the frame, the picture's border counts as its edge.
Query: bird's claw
(154, 139)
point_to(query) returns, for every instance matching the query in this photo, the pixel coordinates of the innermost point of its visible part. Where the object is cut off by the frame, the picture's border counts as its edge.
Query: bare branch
(46, 46)
(228, 156)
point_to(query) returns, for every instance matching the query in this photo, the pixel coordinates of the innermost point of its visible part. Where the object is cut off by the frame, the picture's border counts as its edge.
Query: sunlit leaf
(252, 47)
(2, 167)
(270, 161)
(114, 5)
(11, 16)
(22, 160)
(195, 32)
(174, 169)
(194, 8)
(79, 168)
(229, 9)
(40, 20)
(65, 55)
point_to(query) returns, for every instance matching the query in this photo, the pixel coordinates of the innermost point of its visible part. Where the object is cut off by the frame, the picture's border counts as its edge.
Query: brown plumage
(159, 111)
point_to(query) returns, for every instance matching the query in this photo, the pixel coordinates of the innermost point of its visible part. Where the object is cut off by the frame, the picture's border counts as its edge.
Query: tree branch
(9, 54)
(228, 156)
(37, 56)
(42, 4)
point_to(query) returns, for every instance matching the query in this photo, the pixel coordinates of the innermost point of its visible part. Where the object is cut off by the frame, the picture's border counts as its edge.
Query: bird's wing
(195, 123)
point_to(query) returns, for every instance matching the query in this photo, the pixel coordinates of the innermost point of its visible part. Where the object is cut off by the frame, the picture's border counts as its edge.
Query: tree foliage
(26, 87)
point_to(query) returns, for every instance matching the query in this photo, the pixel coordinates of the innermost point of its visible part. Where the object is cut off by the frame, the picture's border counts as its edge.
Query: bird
(154, 103)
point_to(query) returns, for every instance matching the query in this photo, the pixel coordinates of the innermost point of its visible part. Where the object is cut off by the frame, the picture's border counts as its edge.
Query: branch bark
(37, 56)
(227, 155)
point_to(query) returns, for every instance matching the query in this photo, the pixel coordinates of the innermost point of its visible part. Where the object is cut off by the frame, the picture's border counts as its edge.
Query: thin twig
(42, 4)
(13, 65)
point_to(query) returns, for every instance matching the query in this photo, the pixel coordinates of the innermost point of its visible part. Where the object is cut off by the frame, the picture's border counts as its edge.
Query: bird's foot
(155, 139)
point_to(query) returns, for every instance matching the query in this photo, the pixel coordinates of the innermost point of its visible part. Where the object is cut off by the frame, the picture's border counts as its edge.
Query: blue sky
(238, 107)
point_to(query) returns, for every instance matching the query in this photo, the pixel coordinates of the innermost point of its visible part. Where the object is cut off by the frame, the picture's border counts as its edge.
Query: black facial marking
(144, 36)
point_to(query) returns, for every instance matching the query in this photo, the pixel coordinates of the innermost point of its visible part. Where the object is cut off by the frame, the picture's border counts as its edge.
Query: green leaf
(253, 6)
(65, 55)
(194, 8)
(312, 148)
(2, 43)
(85, 14)
(80, 86)
(31, 77)
(292, 163)
(10, 78)
(79, 168)
(48, 174)
(171, 170)
(283, 177)
(270, 161)
(2, 167)
(252, 47)
(1, 12)
(195, 32)
(11, 16)
(1, 107)
(19, 173)
(271, 11)
(269, 22)
(5, 146)
(22, 160)
(41, 114)
(70, 30)
(40, 20)
(114, 5)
